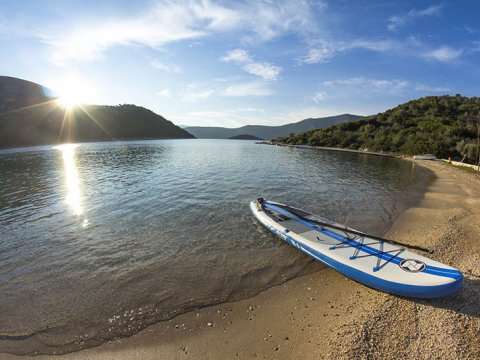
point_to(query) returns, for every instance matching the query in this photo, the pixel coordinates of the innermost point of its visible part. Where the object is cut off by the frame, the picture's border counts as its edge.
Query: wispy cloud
(320, 53)
(319, 96)
(398, 21)
(168, 68)
(196, 95)
(444, 54)
(164, 93)
(268, 20)
(471, 30)
(265, 70)
(248, 89)
(165, 23)
(326, 50)
(172, 21)
(423, 88)
(364, 87)
(367, 86)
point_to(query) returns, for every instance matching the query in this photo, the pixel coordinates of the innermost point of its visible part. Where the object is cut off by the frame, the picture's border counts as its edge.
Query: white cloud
(217, 17)
(363, 87)
(369, 86)
(397, 21)
(267, 71)
(444, 54)
(269, 19)
(171, 21)
(165, 23)
(164, 93)
(373, 45)
(320, 54)
(248, 89)
(195, 43)
(431, 89)
(194, 96)
(168, 68)
(470, 30)
(319, 96)
(325, 50)
(238, 56)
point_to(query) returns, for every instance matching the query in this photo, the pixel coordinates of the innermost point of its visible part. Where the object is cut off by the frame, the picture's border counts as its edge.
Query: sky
(234, 63)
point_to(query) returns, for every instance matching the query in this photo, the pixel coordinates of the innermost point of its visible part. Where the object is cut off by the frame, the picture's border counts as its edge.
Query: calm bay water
(100, 240)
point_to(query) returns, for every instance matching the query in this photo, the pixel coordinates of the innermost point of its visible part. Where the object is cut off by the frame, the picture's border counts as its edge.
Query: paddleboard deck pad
(378, 264)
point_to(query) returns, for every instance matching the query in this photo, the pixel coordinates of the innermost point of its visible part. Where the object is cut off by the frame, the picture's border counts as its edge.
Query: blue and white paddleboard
(364, 258)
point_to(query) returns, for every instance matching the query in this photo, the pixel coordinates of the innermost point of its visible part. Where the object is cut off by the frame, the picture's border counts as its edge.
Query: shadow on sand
(466, 302)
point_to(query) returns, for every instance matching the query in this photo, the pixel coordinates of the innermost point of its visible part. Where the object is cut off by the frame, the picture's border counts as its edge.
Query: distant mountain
(244, 137)
(269, 132)
(29, 115)
(446, 126)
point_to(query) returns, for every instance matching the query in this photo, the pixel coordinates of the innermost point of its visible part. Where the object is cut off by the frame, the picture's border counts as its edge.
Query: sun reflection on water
(72, 180)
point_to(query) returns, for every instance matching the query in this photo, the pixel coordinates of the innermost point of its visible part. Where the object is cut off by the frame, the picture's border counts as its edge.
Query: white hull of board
(377, 264)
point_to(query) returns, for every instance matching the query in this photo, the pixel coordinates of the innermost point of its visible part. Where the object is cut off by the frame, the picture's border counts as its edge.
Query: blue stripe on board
(432, 270)
(369, 250)
(371, 280)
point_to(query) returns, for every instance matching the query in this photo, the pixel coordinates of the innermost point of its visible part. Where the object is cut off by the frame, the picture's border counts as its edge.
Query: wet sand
(325, 315)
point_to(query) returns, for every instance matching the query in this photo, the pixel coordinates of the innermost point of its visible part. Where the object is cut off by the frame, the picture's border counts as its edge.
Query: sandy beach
(327, 316)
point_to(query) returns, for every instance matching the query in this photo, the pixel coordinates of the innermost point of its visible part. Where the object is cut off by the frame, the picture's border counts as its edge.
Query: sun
(73, 91)
(69, 101)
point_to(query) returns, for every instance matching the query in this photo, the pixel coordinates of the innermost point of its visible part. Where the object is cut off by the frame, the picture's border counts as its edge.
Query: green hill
(440, 125)
(29, 116)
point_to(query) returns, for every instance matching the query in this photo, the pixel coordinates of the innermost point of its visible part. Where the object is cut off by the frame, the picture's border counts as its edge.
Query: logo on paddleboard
(412, 265)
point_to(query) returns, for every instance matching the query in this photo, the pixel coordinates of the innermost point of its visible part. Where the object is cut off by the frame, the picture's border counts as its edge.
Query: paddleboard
(364, 258)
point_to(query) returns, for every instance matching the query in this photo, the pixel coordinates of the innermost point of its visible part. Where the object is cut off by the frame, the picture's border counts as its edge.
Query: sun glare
(73, 91)
(73, 195)
(68, 101)
(72, 180)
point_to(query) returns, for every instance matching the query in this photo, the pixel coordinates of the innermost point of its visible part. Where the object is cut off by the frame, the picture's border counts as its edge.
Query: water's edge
(43, 343)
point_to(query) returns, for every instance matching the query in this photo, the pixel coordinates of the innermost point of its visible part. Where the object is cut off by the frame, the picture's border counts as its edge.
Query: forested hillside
(441, 125)
(28, 116)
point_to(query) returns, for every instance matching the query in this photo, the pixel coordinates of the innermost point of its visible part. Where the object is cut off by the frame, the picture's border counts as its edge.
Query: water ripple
(93, 231)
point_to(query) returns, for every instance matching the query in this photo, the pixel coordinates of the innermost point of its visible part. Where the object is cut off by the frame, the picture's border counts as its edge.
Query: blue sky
(232, 63)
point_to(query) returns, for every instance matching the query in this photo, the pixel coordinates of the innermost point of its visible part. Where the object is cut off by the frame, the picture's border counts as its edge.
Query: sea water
(100, 240)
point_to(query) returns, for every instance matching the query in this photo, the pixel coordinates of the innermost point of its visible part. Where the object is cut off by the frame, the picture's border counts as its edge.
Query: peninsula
(31, 115)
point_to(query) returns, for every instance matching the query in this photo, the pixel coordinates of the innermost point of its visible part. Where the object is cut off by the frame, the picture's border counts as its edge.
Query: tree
(468, 150)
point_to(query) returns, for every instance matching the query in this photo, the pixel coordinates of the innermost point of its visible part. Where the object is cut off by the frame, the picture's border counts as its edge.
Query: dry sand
(326, 316)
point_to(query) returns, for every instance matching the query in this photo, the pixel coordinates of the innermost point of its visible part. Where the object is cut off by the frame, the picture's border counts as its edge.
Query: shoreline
(310, 147)
(325, 315)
